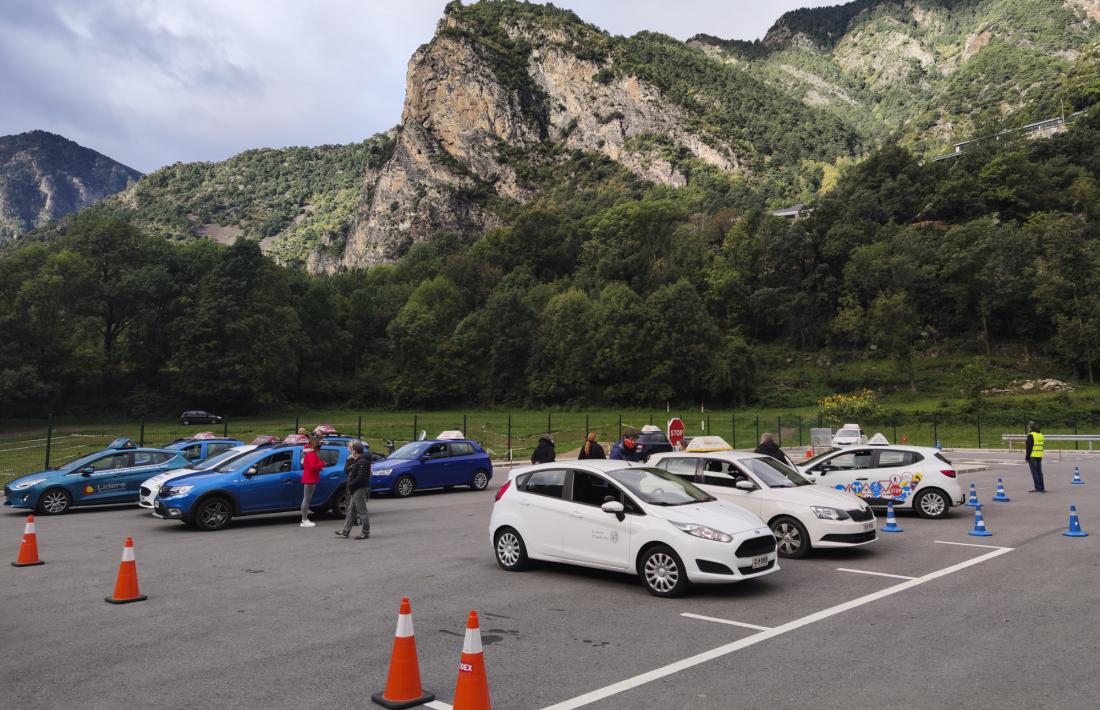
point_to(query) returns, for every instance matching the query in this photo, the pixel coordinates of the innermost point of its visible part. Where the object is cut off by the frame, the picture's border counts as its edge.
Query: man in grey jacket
(358, 471)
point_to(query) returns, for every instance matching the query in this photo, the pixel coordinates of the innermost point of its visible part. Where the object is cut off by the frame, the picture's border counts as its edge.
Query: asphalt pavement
(267, 614)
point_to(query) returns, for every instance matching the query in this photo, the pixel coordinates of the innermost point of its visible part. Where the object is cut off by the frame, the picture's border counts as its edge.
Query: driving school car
(112, 475)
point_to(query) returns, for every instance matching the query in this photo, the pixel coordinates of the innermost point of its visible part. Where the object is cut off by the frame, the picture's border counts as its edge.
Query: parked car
(849, 435)
(435, 463)
(112, 475)
(801, 515)
(913, 477)
(147, 492)
(651, 440)
(631, 518)
(266, 480)
(197, 416)
(202, 446)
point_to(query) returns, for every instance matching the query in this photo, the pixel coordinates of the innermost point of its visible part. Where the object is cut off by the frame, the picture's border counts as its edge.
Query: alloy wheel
(661, 572)
(214, 514)
(788, 538)
(508, 549)
(54, 502)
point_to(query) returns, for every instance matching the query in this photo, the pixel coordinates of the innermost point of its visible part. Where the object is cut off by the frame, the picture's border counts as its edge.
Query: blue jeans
(1036, 466)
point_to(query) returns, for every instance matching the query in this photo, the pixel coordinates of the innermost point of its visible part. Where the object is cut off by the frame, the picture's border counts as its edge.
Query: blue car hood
(393, 463)
(49, 475)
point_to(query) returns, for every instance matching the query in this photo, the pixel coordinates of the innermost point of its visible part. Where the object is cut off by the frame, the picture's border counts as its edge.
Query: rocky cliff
(44, 176)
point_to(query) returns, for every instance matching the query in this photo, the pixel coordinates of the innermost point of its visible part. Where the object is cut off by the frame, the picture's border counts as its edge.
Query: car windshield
(658, 487)
(412, 450)
(217, 460)
(774, 474)
(234, 463)
(848, 432)
(78, 462)
(816, 459)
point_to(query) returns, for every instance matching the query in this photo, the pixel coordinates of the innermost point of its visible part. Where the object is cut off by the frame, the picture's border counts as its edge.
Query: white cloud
(149, 83)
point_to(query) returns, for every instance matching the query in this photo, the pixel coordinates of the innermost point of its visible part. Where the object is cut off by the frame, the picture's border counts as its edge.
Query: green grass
(22, 443)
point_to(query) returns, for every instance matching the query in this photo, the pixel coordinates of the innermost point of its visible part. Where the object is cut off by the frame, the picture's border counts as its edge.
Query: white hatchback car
(849, 435)
(913, 477)
(628, 517)
(801, 515)
(147, 494)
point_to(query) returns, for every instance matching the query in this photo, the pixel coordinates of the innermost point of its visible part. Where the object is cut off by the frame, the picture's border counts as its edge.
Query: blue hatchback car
(266, 480)
(198, 448)
(113, 475)
(436, 463)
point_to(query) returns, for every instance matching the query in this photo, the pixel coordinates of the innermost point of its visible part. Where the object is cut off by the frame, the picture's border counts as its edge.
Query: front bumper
(20, 499)
(710, 562)
(842, 533)
(167, 511)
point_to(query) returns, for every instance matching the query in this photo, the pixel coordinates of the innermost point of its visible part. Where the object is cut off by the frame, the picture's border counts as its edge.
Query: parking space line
(725, 650)
(726, 621)
(877, 574)
(970, 544)
(438, 705)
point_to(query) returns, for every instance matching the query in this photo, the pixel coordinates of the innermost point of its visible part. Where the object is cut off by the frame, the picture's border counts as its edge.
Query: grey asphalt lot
(266, 614)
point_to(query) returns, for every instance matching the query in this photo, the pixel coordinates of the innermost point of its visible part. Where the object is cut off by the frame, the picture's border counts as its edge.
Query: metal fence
(507, 436)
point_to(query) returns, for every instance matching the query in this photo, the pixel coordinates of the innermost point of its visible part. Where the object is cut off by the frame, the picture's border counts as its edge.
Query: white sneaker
(307, 524)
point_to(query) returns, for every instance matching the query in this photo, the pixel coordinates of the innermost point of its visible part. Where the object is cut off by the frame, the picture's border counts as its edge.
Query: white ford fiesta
(629, 517)
(802, 516)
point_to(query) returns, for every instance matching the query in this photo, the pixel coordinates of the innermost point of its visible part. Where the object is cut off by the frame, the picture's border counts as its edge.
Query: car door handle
(575, 514)
(525, 502)
(288, 481)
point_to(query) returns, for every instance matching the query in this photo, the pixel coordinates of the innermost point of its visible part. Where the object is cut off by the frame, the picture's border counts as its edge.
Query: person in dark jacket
(591, 448)
(629, 447)
(544, 452)
(357, 469)
(768, 447)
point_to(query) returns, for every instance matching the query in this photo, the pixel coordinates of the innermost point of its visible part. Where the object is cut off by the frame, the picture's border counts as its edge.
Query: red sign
(675, 431)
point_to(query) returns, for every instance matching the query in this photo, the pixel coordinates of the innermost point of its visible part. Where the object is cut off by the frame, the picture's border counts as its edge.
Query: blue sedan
(438, 463)
(113, 475)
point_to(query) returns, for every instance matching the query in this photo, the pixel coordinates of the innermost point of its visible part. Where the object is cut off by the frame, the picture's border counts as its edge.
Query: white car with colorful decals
(912, 477)
(801, 515)
(627, 517)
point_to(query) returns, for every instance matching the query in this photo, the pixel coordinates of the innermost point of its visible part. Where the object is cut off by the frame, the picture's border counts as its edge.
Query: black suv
(652, 442)
(197, 416)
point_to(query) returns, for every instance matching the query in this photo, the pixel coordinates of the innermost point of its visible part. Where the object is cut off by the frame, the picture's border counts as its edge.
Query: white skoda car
(629, 517)
(802, 516)
(147, 494)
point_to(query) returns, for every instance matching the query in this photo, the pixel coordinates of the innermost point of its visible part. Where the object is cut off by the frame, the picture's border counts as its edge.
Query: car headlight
(829, 513)
(169, 491)
(23, 485)
(381, 472)
(703, 531)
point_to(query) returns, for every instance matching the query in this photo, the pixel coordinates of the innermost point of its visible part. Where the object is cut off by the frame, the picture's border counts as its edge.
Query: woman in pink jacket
(311, 476)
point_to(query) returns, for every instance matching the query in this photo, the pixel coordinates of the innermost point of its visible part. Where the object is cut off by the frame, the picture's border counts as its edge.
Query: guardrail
(1090, 438)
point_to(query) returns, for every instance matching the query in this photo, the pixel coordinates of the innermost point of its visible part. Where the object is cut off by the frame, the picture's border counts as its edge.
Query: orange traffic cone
(809, 453)
(126, 586)
(403, 683)
(28, 550)
(472, 690)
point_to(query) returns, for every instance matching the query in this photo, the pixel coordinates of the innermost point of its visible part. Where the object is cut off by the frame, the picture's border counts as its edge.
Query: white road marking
(692, 661)
(726, 621)
(971, 544)
(877, 574)
(438, 705)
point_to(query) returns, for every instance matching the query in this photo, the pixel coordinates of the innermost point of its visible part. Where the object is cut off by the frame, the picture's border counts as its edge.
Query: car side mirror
(745, 485)
(615, 508)
(250, 472)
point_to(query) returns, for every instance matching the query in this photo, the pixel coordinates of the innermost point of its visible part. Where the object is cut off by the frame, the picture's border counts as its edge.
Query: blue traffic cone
(973, 501)
(1001, 496)
(1077, 476)
(979, 523)
(891, 521)
(1074, 524)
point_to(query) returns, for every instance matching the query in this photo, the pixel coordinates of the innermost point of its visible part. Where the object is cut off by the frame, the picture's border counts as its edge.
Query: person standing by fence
(1034, 457)
(358, 470)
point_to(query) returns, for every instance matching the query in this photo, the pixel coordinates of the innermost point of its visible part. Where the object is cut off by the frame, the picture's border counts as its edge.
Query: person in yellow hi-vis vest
(1034, 457)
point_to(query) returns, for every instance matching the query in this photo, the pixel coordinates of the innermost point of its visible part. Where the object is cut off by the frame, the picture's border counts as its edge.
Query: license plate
(868, 526)
(761, 561)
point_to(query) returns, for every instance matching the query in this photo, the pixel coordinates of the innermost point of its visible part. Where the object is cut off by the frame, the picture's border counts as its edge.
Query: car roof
(731, 455)
(928, 450)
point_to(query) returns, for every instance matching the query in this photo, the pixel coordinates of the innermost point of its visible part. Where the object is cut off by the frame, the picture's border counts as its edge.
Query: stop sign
(676, 431)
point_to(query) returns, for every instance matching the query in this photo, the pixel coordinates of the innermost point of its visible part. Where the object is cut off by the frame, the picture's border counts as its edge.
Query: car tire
(404, 486)
(663, 572)
(932, 503)
(54, 501)
(792, 536)
(340, 502)
(510, 551)
(213, 513)
(480, 480)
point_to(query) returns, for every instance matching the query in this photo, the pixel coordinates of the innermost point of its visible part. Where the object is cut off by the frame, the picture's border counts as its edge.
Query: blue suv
(113, 475)
(436, 463)
(199, 447)
(266, 480)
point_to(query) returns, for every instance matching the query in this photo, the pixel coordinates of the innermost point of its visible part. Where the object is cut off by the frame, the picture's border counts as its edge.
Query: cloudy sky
(152, 82)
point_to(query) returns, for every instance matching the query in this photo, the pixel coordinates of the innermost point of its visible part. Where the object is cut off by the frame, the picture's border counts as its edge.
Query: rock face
(44, 176)
(459, 114)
